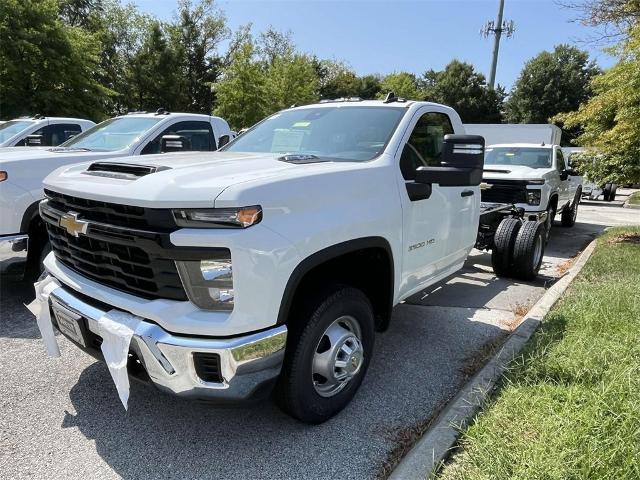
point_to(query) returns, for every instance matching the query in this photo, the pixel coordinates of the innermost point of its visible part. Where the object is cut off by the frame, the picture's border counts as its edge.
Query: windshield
(334, 133)
(527, 157)
(111, 135)
(11, 128)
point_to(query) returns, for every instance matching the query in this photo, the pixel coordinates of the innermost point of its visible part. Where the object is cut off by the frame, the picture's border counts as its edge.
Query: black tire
(503, 242)
(569, 214)
(606, 192)
(297, 390)
(612, 193)
(551, 215)
(528, 251)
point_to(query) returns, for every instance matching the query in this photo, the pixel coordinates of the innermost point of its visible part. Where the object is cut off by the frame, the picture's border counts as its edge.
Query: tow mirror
(173, 143)
(34, 141)
(223, 140)
(461, 164)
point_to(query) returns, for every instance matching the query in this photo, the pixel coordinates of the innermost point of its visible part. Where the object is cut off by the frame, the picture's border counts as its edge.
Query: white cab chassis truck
(22, 233)
(273, 262)
(525, 165)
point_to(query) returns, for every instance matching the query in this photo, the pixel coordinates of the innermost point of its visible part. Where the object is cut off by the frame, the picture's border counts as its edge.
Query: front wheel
(328, 353)
(569, 215)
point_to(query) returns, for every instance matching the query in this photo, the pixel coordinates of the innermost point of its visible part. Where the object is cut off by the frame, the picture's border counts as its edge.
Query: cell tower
(497, 29)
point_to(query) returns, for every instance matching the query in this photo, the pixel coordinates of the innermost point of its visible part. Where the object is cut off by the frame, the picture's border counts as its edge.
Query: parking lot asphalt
(61, 418)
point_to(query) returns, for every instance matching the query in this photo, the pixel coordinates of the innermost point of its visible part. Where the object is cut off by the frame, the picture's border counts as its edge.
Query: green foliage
(403, 84)
(568, 406)
(263, 78)
(337, 80)
(610, 120)
(551, 83)
(461, 87)
(45, 66)
(241, 92)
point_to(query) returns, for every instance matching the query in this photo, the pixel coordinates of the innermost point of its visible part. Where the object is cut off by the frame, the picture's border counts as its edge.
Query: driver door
(428, 220)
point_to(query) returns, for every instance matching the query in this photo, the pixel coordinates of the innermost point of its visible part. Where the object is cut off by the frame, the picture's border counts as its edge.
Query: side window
(424, 147)
(560, 161)
(55, 134)
(198, 135)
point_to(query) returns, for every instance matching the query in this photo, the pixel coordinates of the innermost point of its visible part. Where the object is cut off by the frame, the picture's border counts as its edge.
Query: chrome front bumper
(13, 251)
(249, 364)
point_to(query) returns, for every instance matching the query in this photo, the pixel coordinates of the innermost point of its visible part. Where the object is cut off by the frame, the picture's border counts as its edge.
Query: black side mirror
(462, 163)
(564, 174)
(34, 141)
(223, 140)
(173, 143)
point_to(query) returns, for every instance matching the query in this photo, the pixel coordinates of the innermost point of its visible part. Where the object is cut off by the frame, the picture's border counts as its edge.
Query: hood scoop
(495, 170)
(124, 171)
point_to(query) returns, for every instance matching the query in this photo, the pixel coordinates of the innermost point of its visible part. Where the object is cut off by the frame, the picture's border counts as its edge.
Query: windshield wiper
(70, 149)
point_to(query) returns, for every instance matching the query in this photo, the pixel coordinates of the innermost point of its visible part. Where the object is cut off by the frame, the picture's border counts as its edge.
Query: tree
(403, 85)
(610, 120)
(338, 80)
(154, 74)
(291, 79)
(45, 66)
(615, 16)
(240, 93)
(196, 34)
(551, 83)
(461, 87)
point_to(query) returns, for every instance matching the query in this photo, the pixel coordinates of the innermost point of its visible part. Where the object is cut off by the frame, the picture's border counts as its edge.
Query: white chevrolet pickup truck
(273, 262)
(22, 233)
(41, 131)
(534, 177)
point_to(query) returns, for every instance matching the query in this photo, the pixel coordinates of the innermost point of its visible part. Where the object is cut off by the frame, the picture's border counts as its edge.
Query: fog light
(208, 283)
(533, 197)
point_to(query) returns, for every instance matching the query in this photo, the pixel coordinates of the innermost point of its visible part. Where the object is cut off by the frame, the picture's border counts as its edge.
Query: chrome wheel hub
(537, 253)
(338, 357)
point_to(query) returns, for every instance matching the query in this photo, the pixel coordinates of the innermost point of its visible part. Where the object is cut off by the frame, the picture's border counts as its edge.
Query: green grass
(569, 407)
(634, 199)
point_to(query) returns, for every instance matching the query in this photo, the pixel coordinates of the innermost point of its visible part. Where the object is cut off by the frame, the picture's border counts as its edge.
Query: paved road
(61, 418)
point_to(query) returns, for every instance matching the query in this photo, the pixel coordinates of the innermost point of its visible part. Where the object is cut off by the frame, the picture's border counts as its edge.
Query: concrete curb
(426, 456)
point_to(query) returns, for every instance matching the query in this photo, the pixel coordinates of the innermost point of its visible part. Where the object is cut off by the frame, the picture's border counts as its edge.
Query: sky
(376, 36)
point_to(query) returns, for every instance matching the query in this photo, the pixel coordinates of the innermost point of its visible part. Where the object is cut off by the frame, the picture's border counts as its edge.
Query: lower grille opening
(207, 367)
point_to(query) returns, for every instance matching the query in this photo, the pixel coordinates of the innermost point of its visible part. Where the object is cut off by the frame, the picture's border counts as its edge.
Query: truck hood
(513, 172)
(184, 179)
(27, 165)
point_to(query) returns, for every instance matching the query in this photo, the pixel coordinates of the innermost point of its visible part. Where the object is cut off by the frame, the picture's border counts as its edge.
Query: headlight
(208, 283)
(533, 197)
(242, 217)
(536, 182)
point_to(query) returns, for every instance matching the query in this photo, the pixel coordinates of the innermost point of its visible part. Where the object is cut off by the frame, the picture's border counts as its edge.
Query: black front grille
(116, 264)
(160, 220)
(510, 192)
(207, 366)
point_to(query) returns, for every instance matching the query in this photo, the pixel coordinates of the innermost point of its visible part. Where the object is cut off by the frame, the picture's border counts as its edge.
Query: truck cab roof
(521, 145)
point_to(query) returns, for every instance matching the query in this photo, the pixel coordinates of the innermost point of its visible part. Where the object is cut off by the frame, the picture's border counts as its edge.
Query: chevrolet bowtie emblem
(69, 221)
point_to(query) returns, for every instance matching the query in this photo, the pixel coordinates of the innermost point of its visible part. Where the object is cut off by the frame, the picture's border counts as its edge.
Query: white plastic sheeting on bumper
(40, 308)
(115, 327)
(116, 330)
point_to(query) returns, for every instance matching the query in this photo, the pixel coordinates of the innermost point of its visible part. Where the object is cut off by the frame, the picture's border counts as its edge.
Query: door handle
(466, 193)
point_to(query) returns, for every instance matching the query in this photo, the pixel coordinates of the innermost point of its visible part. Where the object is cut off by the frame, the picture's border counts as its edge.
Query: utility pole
(497, 29)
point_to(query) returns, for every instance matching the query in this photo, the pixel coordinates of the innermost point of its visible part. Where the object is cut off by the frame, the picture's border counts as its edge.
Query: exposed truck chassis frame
(492, 214)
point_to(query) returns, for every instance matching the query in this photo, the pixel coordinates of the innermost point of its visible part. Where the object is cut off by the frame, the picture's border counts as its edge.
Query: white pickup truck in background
(22, 233)
(524, 165)
(272, 262)
(40, 131)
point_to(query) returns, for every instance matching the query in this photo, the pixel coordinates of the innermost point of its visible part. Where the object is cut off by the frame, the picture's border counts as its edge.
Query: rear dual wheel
(518, 249)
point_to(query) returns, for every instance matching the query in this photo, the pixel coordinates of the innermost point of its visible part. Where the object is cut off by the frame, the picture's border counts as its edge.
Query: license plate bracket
(70, 324)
